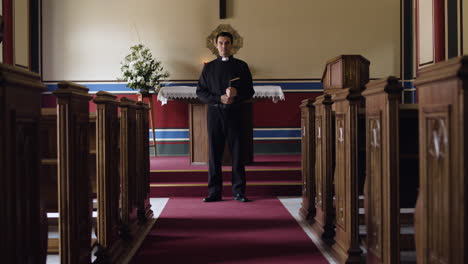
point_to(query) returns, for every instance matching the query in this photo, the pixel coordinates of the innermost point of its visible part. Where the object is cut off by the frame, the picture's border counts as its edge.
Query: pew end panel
(307, 210)
(391, 163)
(441, 212)
(24, 236)
(348, 171)
(324, 224)
(75, 203)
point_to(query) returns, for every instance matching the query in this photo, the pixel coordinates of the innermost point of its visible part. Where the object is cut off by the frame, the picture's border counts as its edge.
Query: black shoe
(241, 198)
(212, 198)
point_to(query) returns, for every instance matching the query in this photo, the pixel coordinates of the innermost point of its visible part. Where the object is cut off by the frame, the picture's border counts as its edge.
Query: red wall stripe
(439, 30)
(7, 10)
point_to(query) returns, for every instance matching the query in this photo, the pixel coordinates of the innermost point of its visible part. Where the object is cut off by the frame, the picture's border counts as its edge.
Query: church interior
(353, 141)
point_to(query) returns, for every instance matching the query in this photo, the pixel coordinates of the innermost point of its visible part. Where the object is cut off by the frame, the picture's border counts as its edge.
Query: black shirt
(214, 80)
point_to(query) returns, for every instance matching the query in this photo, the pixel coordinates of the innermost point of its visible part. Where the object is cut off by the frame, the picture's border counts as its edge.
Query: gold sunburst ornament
(238, 41)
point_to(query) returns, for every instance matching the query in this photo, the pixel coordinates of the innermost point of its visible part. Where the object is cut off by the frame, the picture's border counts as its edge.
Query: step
(407, 242)
(173, 176)
(406, 216)
(254, 188)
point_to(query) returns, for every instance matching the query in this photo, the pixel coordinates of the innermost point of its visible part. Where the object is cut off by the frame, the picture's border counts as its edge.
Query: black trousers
(225, 123)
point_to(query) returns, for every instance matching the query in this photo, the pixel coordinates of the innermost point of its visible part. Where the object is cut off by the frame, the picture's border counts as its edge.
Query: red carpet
(261, 231)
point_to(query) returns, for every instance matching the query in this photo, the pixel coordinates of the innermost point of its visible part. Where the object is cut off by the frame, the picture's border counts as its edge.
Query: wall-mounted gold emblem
(238, 41)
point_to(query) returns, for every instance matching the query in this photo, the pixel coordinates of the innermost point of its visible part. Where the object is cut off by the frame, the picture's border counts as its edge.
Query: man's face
(224, 46)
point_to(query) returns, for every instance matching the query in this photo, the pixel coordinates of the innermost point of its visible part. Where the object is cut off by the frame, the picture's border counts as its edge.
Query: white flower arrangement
(141, 71)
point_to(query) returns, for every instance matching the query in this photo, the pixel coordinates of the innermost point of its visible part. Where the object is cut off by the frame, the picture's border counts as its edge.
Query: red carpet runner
(261, 231)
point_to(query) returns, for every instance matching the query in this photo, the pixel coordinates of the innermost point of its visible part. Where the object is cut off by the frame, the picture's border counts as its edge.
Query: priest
(225, 83)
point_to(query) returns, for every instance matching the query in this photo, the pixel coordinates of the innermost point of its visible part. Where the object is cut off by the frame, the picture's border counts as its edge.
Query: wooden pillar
(347, 174)
(307, 210)
(128, 164)
(24, 234)
(74, 187)
(324, 167)
(441, 210)
(108, 181)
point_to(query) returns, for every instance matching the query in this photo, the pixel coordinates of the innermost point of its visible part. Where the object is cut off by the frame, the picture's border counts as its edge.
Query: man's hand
(231, 91)
(226, 100)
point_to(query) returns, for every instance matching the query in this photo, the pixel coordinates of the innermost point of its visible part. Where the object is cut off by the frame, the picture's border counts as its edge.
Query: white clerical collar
(225, 58)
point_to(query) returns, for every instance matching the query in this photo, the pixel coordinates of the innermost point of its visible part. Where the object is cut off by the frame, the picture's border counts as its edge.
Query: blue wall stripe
(408, 85)
(293, 134)
(258, 134)
(122, 87)
(285, 86)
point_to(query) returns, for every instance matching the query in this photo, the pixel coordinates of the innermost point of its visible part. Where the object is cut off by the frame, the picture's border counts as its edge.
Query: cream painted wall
(85, 40)
(465, 26)
(1, 44)
(21, 32)
(426, 32)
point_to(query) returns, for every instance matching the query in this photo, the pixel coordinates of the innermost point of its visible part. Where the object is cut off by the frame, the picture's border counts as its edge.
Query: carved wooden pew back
(441, 211)
(22, 220)
(392, 170)
(349, 173)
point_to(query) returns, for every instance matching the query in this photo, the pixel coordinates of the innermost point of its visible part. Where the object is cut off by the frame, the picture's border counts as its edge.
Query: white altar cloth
(166, 93)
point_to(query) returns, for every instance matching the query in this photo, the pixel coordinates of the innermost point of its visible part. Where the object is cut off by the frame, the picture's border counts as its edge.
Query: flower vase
(144, 92)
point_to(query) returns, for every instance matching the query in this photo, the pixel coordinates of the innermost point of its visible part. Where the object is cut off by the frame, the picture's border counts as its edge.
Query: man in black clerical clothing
(224, 84)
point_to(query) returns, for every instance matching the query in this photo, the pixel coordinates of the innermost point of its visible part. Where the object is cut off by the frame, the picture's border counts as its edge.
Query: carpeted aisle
(261, 231)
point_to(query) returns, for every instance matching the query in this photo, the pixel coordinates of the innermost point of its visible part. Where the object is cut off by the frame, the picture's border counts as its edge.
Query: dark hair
(225, 34)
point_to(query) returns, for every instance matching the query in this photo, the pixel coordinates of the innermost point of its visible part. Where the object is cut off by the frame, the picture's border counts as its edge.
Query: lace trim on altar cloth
(189, 92)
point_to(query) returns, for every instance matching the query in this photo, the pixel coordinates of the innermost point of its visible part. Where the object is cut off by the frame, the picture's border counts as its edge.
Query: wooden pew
(135, 211)
(75, 203)
(128, 166)
(324, 167)
(392, 170)
(143, 185)
(441, 211)
(349, 173)
(114, 238)
(23, 218)
(108, 182)
(307, 210)
(48, 169)
(343, 79)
